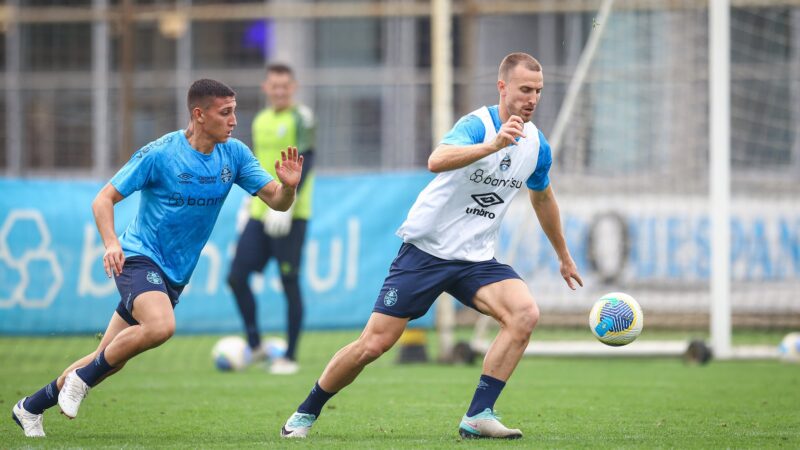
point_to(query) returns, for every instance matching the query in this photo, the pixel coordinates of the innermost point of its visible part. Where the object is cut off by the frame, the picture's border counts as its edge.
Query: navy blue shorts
(255, 248)
(140, 274)
(417, 278)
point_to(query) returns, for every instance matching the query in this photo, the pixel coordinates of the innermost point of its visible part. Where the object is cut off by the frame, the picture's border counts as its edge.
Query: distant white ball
(275, 347)
(789, 350)
(616, 319)
(231, 353)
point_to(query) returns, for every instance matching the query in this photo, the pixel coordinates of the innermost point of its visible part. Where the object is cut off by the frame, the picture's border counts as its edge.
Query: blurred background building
(87, 82)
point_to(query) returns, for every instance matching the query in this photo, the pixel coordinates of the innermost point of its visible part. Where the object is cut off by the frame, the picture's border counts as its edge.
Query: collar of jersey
(186, 145)
(495, 113)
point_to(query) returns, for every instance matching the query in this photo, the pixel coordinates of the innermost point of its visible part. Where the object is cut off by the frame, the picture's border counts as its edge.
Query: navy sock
(44, 398)
(94, 371)
(485, 394)
(315, 401)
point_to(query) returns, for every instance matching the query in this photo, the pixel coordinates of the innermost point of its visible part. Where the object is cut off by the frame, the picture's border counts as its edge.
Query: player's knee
(159, 332)
(372, 349)
(525, 321)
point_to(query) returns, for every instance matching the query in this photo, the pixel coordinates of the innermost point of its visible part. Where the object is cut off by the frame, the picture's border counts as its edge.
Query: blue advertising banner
(52, 279)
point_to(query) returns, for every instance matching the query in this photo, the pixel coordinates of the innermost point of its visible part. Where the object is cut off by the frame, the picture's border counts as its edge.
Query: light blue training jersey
(182, 192)
(469, 130)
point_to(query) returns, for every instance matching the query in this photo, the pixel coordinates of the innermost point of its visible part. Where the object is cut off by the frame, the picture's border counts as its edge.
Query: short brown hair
(513, 60)
(203, 89)
(280, 68)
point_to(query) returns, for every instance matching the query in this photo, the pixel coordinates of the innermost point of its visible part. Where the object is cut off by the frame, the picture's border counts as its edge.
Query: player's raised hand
(509, 132)
(570, 272)
(289, 168)
(113, 260)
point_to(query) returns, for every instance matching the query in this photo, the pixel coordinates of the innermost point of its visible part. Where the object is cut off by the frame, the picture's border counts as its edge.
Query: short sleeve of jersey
(251, 176)
(540, 178)
(469, 130)
(135, 174)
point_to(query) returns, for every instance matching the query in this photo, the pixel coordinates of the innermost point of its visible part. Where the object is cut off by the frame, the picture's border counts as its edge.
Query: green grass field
(172, 397)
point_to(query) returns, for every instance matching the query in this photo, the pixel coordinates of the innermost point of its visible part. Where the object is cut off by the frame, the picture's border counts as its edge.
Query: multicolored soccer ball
(231, 353)
(616, 319)
(789, 350)
(275, 348)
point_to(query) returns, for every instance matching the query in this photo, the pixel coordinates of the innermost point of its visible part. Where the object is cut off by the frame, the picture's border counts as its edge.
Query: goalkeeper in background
(276, 234)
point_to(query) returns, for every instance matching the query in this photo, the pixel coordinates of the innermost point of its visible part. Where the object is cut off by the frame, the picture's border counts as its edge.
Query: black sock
(44, 398)
(315, 401)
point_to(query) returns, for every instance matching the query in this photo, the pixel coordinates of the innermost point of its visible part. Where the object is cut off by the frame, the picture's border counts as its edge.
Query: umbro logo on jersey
(486, 200)
(185, 178)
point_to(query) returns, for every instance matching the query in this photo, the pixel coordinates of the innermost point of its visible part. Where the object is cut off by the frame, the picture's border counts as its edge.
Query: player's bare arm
(452, 157)
(546, 207)
(103, 210)
(279, 195)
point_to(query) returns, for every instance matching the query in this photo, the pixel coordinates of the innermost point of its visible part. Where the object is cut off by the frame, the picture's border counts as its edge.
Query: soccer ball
(616, 319)
(789, 350)
(275, 348)
(231, 353)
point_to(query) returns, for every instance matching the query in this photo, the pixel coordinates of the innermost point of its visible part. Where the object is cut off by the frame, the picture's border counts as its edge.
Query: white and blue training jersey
(182, 192)
(457, 216)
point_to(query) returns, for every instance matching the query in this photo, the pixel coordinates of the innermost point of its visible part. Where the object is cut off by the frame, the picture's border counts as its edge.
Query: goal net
(631, 172)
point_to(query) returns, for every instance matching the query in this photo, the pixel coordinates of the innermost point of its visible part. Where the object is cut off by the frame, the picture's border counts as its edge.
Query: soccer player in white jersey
(184, 178)
(448, 246)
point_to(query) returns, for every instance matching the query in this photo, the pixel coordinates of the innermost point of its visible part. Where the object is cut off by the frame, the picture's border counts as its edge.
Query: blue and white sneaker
(298, 425)
(486, 424)
(30, 423)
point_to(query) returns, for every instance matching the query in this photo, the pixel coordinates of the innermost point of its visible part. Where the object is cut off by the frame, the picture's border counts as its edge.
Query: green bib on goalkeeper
(273, 132)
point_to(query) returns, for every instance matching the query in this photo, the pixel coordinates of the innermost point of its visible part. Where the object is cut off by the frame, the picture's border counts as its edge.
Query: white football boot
(486, 425)
(72, 394)
(298, 425)
(30, 423)
(283, 366)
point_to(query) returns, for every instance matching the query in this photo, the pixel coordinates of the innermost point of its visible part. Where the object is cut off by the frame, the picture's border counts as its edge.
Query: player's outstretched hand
(113, 260)
(570, 272)
(289, 168)
(509, 133)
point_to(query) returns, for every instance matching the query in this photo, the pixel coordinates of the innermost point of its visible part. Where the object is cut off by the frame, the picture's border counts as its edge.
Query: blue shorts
(416, 279)
(140, 274)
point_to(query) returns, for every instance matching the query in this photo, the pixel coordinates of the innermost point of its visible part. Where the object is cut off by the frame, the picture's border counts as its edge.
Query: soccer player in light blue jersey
(184, 178)
(448, 246)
